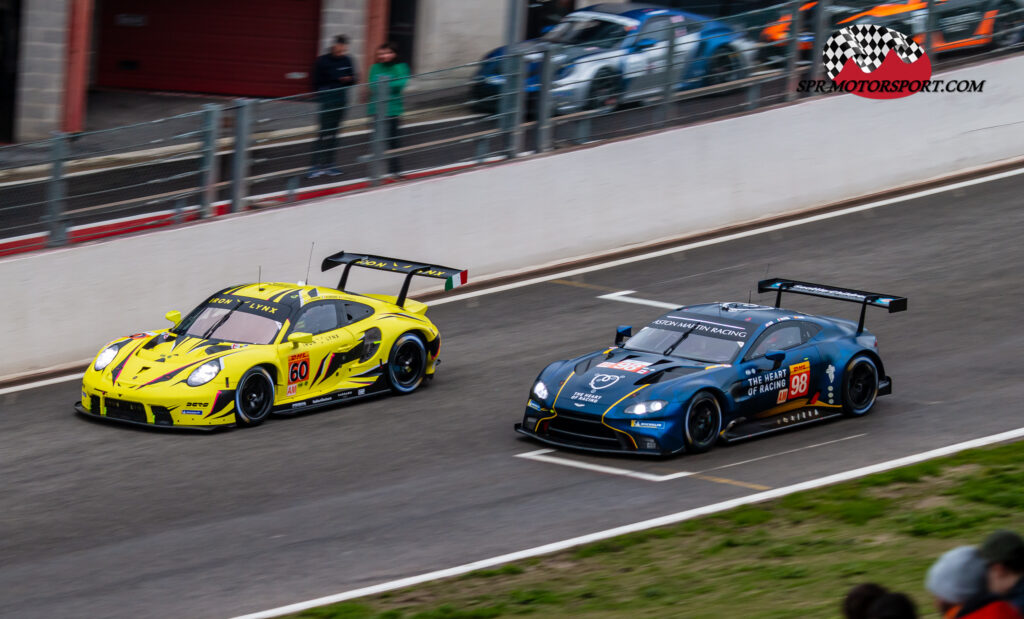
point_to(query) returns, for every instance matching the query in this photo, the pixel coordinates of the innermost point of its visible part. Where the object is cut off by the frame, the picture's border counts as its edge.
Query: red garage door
(259, 48)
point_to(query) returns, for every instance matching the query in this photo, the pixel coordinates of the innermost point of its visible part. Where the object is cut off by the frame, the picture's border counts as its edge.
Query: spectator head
(860, 598)
(892, 606)
(1003, 552)
(340, 45)
(955, 577)
(387, 53)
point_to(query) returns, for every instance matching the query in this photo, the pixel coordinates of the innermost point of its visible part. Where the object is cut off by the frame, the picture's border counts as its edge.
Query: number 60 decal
(298, 368)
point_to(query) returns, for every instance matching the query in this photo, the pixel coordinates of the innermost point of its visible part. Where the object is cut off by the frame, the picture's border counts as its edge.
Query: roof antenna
(311, 246)
(259, 278)
(750, 294)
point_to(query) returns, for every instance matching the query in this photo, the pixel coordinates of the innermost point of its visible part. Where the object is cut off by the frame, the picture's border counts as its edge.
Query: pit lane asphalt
(102, 520)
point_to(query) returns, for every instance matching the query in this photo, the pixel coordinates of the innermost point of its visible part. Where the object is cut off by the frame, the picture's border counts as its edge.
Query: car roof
(747, 313)
(293, 295)
(632, 10)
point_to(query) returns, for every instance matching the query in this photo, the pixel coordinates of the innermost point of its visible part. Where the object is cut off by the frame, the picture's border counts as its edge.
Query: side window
(657, 29)
(779, 337)
(318, 318)
(357, 311)
(809, 330)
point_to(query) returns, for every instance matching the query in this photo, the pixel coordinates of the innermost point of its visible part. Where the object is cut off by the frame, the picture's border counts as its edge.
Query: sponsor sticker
(600, 381)
(799, 379)
(298, 369)
(647, 425)
(190, 411)
(585, 397)
(628, 365)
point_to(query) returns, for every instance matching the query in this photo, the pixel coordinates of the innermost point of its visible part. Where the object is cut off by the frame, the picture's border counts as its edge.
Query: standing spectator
(892, 606)
(397, 73)
(957, 580)
(333, 74)
(860, 598)
(1003, 551)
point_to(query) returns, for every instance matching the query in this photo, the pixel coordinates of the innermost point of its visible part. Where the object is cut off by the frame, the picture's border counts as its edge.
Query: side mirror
(174, 316)
(623, 333)
(300, 338)
(643, 44)
(775, 356)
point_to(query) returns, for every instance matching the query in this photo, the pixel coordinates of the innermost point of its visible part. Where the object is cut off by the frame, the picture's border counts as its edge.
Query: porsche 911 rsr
(718, 371)
(252, 350)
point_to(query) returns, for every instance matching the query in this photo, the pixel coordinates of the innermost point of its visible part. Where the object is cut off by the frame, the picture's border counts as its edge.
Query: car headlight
(642, 408)
(105, 357)
(204, 373)
(540, 390)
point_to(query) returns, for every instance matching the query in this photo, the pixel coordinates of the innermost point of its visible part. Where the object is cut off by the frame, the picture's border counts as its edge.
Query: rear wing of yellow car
(453, 277)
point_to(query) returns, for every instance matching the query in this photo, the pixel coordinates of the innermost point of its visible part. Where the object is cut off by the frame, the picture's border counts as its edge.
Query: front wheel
(702, 423)
(254, 397)
(605, 92)
(860, 386)
(407, 364)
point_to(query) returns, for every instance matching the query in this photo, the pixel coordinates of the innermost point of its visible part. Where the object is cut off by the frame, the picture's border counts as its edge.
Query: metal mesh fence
(560, 92)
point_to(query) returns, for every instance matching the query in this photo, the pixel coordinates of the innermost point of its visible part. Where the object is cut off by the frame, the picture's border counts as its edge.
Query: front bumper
(586, 433)
(86, 413)
(203, 407)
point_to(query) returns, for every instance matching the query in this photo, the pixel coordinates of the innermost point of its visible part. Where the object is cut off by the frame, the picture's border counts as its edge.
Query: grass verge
(791, 557)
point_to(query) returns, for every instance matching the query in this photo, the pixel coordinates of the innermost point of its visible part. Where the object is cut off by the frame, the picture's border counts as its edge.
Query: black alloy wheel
(605, 92)
(407, 364)
(860, 386)
(722, 67)
(702, 423)
(254, 397)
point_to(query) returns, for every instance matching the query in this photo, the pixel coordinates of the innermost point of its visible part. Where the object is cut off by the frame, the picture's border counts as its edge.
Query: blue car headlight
(104, 358)
(204, 373)
(540, 390)
(642, 408)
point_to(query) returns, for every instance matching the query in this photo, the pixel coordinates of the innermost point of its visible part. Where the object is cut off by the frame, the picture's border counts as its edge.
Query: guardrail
(255, 153)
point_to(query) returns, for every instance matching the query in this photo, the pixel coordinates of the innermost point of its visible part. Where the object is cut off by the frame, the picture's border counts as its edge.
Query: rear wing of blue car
(874, 299)
(453, 277)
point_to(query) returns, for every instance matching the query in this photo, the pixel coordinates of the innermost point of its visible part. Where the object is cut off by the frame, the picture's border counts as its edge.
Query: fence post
(208, 172)
(240, 161)
(515, 136)
(821, 34)
(670, 72)
(378, 143)
(544, 103)
(793, 54)
(56, 192)
(929, 28)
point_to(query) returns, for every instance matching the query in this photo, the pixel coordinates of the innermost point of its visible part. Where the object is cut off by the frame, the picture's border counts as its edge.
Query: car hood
(601, 381)
(153, 358)
(561, 55)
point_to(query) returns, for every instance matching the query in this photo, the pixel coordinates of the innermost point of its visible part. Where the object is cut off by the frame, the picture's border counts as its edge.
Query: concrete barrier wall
(62, 305)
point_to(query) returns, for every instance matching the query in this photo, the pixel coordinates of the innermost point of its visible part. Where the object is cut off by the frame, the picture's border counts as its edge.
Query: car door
(312, 368)
(648, 58)
(768, 386)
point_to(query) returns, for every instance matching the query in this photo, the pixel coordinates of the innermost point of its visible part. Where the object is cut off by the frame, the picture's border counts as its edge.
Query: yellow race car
(252, 350)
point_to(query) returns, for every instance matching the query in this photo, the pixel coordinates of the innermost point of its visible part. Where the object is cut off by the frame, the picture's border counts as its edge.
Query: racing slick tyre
(702, 423)
(860, 386)
(1009, 25)
(407, 364)
(254, 397)
(605, 92)
(723, 66)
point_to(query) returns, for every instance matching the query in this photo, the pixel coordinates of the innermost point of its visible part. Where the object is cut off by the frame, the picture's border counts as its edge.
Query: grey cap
(957, 575)
(1002, 547)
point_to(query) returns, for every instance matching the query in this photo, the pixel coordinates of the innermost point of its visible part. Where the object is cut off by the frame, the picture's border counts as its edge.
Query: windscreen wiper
(668, 351)
(223, 319)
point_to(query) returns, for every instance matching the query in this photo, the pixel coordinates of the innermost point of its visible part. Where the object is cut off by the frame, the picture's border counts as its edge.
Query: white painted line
(621, 296)
(725, 238)
(782, 453)
(662, 521)
(40, 383)
(541, 456)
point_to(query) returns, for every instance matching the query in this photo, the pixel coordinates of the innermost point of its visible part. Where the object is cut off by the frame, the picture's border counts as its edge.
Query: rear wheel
(702, 423)
(723, 66)
(407, 363)
(860, 386)
(254, 397)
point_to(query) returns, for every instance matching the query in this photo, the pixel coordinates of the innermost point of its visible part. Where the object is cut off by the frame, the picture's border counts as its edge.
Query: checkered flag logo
(868, 46)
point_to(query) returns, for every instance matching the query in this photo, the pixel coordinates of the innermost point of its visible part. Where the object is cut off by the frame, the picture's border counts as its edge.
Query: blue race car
(609, 54)
(717, 371)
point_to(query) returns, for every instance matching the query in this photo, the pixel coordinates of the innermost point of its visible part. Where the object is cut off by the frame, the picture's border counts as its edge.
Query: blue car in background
(718, 371)
(609, 54)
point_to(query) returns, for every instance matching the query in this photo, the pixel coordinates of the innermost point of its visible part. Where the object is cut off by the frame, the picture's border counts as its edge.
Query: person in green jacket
(389, 68)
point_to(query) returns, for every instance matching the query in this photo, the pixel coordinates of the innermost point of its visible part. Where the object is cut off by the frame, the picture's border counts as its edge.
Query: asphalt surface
(131, 190)
(102, 520)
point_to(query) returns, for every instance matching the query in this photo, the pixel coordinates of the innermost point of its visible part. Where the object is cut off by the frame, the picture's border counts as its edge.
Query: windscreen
(595, 32)
(235, 319)
(692, 338)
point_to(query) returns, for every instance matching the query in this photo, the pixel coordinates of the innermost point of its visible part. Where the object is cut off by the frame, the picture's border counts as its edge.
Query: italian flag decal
(459, 279)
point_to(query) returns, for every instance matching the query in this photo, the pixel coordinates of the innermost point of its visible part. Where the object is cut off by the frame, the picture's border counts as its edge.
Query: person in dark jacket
(860, 598)
(892, 606)
(333, 74)
(957, 580)
(1003, 552)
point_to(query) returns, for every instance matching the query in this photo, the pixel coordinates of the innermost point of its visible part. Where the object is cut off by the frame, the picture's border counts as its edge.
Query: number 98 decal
(799, 379)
